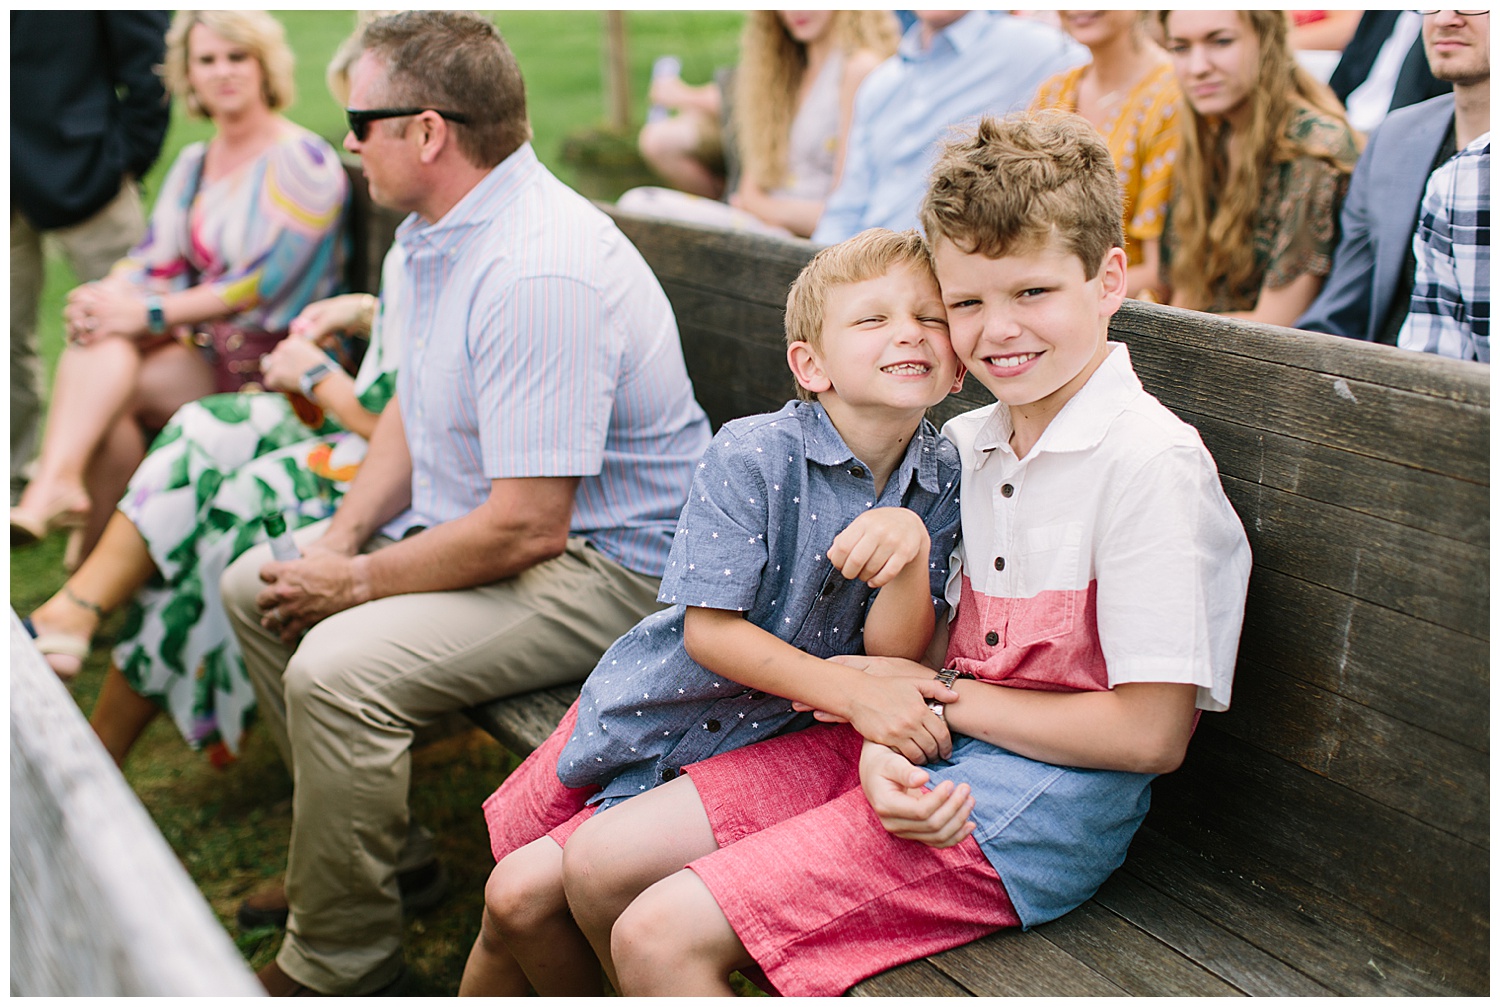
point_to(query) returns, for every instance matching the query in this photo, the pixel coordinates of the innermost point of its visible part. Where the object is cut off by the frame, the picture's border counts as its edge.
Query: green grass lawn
(230, 826)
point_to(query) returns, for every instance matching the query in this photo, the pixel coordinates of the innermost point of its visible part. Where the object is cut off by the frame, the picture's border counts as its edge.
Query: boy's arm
(889, 549)
(889, 711)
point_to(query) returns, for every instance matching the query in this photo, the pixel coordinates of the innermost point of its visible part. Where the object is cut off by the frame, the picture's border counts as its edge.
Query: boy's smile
(1031, 325)
(884, 345)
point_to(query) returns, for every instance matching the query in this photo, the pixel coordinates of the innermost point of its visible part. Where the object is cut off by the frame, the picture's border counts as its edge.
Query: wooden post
(616, 72)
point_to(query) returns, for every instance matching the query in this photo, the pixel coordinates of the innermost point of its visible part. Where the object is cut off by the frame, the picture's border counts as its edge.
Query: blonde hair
(347, 54)
(867, 255)
(256, 30)
(1215, 247)
(1010, 185)
(769, 77)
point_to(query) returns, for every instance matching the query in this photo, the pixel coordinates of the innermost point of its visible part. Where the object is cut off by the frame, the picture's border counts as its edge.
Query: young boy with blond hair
(820, 530)
(1099, 590)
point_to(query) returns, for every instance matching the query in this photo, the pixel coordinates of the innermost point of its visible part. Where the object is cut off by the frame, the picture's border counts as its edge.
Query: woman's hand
(99, 310)
(291, 358)
(345, 313)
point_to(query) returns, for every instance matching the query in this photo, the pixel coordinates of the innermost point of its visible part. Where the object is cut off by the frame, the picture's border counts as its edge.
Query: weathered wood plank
(1439, 782)
(1431, 578)
(1411, 497)
(523, 722)
(1204, 940)
(1400, 870)
(1016, 963)
(1298, 923)
(914, 979)
(1138, 963)
(745, 266)
(1370, 655)
(100, 906)
(1193, 333)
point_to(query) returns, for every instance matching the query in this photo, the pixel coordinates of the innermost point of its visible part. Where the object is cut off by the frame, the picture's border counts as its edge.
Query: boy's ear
(1112, 282)
(807, 368)
(958, 378)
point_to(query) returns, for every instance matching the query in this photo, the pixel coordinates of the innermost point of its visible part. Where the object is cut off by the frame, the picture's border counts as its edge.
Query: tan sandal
(63, 652)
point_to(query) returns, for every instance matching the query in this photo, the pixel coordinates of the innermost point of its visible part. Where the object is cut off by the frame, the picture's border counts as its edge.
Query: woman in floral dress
(198, 501)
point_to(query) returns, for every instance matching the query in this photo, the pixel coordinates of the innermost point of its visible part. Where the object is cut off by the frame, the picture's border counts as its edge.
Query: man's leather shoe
(279, 984)
(422, 888)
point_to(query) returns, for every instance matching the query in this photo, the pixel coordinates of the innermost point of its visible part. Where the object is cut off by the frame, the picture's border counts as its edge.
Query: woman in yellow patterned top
(1129, 93)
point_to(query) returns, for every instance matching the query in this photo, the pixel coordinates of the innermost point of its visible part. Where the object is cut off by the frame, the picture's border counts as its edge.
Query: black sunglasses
(360, 118)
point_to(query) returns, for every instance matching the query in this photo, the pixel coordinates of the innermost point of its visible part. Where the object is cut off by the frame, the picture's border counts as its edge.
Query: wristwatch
(156, 317)
(310, 377)
(947, 676)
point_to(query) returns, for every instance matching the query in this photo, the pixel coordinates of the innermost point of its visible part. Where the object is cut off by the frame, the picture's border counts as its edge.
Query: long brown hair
(1215, 244)
(772, 64)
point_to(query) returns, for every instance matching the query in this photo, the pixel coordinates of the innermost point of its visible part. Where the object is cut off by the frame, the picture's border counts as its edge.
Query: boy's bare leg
(621, 852)
(527, 932)
(674, 940)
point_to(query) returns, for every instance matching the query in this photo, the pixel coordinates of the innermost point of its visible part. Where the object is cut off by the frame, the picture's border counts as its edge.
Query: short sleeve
(545, 372)
(1172, 570)
(1306, 218)
(720, 551)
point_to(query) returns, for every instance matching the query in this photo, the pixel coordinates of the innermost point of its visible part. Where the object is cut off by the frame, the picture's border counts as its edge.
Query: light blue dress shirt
(985, 63)
(539, 344)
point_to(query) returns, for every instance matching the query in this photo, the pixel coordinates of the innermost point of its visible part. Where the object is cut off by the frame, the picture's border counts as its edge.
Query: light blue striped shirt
(539, 344)
(986, 62)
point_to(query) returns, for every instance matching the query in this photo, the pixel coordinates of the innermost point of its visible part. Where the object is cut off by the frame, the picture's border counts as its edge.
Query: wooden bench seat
(1330, 833)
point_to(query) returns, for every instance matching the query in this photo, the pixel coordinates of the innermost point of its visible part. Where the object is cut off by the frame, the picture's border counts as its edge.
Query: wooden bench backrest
(1355, 757)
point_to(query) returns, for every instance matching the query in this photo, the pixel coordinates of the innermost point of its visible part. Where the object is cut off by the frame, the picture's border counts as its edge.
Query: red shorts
(532, 802)
(816, 889)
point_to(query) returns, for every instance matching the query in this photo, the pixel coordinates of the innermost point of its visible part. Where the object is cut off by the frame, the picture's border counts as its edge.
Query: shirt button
(757, 695)
(712, 725)
(1007, 490)
(992, 638)
(857, 472)
(999, 562)
(826, 590)
(668, 774)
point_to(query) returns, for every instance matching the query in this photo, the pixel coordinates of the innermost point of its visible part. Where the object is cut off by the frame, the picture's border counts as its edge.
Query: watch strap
(156, 316)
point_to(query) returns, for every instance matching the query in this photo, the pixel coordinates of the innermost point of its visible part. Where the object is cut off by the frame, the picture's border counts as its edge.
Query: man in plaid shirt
(1450, 303)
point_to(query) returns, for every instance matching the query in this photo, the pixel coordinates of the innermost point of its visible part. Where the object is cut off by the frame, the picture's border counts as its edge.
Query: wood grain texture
(1395, 867)
(914, 979)
(523, 722)
(1016, 963)
(1320, 934)
(100, 905)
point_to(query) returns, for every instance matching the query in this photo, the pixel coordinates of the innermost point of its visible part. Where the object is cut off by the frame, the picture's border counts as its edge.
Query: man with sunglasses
(1368, 294)
(514, 512)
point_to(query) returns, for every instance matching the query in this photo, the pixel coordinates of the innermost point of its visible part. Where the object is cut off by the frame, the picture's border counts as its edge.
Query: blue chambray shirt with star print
(768, 498)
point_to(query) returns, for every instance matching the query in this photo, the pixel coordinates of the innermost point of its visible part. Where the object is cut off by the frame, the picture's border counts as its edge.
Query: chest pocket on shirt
(1053, 581)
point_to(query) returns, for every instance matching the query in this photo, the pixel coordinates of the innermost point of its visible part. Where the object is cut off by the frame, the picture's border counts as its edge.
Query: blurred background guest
(1129, 92)
(1384, 67)
(1264, 164)
(87, 118)
(796, 81)
(245, 233)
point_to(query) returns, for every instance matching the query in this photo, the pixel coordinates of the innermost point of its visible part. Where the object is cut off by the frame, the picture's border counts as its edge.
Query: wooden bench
(1329, 834)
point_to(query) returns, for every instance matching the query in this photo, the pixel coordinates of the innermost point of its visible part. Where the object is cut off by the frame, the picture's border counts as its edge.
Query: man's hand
(879, 544)
(303, 592)
(894, 788)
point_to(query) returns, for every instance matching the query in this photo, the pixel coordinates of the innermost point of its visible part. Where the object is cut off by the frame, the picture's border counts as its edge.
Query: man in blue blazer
(1368, 292)
(87, 119)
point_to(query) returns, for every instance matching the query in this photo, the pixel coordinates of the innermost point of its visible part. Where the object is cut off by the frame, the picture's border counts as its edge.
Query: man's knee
(239, 585)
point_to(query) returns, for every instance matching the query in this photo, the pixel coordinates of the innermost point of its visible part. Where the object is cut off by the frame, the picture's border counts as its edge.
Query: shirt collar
(1084, 420)
(825, 446)
(957, 37)
(479, 206)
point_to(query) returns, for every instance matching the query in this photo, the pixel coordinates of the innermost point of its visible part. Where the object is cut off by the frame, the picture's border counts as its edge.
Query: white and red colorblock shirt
(1108, 554)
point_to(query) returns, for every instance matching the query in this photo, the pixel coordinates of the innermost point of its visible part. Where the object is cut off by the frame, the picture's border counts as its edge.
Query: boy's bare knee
(523, 890)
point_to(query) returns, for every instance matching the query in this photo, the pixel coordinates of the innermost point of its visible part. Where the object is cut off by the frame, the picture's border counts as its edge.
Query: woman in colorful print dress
(245, 233)
(1129, 92)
